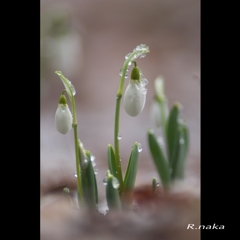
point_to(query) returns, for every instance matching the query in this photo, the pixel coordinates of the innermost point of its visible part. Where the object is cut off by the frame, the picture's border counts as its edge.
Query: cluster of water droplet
(144, 82)
(140, 51)
(115, 182)
(121, 73)
(85, 163)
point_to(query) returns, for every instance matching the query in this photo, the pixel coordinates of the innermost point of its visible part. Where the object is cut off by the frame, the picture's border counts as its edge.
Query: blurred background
(87, 40)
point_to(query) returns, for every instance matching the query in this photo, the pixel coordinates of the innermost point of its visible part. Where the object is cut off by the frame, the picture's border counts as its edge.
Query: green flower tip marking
(135, 74)
(62, 100)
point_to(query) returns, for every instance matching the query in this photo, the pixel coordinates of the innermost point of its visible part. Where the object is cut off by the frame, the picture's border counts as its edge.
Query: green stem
(78, 166)
(67, 86)
(116, 123)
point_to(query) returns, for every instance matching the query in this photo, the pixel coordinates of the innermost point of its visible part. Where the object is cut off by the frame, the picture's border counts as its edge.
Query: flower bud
(134, 98)
(63, 116)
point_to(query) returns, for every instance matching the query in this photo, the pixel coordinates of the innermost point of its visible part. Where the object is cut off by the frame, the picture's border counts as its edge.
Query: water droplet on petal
(144, 81)
(139, 147)
(115, 183)
(94, 164)
(95, 171)
(126, 75)
(119, 136)
(92, 158)
(158, 184)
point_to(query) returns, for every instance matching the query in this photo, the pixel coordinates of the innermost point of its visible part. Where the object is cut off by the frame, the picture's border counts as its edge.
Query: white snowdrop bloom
(134, 97)
(63, 116)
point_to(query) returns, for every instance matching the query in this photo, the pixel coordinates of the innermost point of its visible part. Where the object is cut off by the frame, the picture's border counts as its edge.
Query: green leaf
(89, 185)
(112, 161)
(180, 153)
(154, 184)
(112, 195)
(159, 159)
(131, 173)
(67, 84)
(171, 129)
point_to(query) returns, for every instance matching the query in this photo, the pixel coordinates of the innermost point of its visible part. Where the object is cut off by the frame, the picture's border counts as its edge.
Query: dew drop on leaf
(139, 147)
(115, 183)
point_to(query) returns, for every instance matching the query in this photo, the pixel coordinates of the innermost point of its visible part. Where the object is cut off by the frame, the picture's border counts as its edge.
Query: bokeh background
(87, 40)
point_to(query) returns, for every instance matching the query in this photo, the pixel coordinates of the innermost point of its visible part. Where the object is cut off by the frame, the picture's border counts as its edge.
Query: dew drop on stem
(127, 56)
(119, 136)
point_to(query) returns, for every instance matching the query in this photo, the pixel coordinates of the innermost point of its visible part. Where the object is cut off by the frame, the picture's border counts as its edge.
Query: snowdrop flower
(156, 112)
(135, 94)
(159, 107)
(63, 116)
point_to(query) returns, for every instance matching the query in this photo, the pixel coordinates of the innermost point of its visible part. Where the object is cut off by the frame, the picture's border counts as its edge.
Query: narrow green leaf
(89, 185)
(96, 188)
(186, 137)
(67, 84)
(154, 184)
(131, 173)
(112, 195)
(112, 161)
(159, 159)
(172, 127)
(178, 167)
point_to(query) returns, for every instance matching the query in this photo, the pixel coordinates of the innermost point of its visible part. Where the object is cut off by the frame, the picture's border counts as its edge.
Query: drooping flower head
(63, 116)
(135, 93)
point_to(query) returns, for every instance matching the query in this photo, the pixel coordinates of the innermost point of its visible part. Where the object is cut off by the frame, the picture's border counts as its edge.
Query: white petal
(63, 119)
(134, 98)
